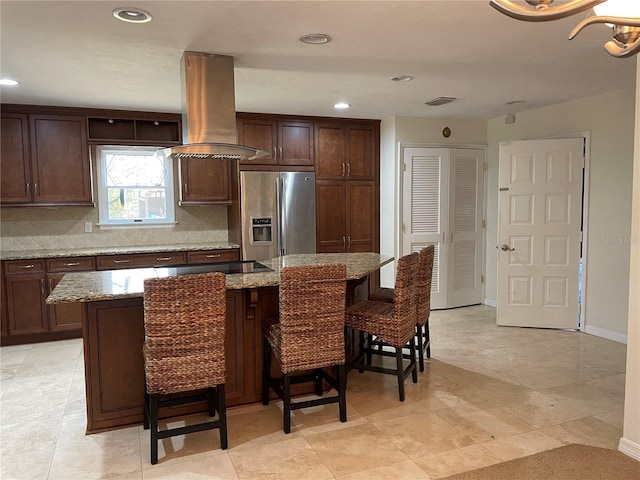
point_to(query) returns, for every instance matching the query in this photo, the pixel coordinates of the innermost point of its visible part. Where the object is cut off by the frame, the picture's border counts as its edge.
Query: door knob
(507, 248)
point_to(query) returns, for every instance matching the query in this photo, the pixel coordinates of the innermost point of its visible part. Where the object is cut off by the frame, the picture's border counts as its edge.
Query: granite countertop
(129, 283)
(87, 252)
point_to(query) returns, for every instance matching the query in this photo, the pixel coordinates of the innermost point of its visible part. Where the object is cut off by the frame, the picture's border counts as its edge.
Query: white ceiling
(75, 53)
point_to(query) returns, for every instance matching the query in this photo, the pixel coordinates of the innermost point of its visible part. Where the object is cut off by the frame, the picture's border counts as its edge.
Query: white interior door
(540, 207)
(465, 243)
(442, 206)
(425, 207)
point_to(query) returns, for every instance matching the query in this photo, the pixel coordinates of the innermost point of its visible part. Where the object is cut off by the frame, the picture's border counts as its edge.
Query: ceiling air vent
(436, 102)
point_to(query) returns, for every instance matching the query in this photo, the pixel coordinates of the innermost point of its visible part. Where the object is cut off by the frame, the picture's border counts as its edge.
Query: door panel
(360, 152)
(15, 171)
(330, 154)
(259, 134)
(360, 216)
(330, 216)
(296, 143)
(539, 232)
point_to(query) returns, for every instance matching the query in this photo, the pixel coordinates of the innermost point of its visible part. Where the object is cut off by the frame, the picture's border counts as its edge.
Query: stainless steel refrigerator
(278, 214)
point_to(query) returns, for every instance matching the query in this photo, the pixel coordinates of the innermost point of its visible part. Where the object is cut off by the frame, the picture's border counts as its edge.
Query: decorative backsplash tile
(50, 228)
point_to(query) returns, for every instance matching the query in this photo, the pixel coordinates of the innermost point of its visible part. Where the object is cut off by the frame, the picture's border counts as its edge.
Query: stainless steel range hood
(209, 110)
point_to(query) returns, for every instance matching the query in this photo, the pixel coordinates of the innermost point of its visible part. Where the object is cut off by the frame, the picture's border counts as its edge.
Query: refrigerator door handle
(282, 218)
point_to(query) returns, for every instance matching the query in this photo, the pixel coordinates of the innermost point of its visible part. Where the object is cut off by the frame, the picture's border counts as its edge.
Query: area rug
(571, 462)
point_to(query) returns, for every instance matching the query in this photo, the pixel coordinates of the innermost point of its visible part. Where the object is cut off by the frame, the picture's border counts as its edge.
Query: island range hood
(209, 110)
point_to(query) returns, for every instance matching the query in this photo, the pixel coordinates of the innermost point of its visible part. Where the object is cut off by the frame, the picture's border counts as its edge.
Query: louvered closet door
(466, 234)
(442, 205)
(425, 191)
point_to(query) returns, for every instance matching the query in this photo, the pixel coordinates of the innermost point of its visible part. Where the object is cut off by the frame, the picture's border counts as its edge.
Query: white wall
(610, 119)
(630, 441)
(404, 131)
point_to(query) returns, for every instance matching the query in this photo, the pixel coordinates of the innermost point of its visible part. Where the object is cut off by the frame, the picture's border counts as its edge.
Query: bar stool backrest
(425, 277)
(405, 304)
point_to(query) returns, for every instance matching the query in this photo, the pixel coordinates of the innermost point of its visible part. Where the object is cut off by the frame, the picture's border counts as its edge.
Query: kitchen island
(113, 331)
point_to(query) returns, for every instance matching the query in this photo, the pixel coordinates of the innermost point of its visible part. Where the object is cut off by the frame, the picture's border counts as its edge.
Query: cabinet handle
(71, 264)
(344, 242)
(186, 188)
(28, 189)
(26, 266)
(343, 170)
(280, 153)
(35, 188)
(348, 169)
(50, 284)
(163, 259)
(42, 285)
(214, 256)
(121, 261)
(349, 242)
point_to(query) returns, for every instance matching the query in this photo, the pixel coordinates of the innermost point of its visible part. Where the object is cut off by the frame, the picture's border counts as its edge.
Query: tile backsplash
(49, 228)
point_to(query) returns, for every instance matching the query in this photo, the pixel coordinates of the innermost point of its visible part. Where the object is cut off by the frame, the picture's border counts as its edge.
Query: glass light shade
(618, 8)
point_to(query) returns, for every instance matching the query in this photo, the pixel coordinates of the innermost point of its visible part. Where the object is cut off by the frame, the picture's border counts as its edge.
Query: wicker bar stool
(184, 324)
(392, 323)
(309, 335)
(425, 276)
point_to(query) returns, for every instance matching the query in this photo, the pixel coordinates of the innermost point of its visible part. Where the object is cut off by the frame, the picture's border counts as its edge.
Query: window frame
(102, 190)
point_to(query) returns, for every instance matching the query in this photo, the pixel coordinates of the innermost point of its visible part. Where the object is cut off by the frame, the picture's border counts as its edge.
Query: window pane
(141, 170)
(137, 203)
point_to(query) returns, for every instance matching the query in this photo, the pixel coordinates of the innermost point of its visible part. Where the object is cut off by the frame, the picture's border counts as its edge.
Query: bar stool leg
(414, 367)
(318, 382)
(427, 338)
(153, 418)
(420, 347)
(222, 416)
(400, 372)
(266, 371)
(342, 384)
(287, 403)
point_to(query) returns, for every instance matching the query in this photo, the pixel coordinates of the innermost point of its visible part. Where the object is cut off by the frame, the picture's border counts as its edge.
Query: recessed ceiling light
(132, 15)
(341, 105)
(402, 78)
(315, 38)
(9, 82)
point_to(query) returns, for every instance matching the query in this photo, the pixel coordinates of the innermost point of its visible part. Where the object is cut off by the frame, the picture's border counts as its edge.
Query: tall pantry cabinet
(347, 165)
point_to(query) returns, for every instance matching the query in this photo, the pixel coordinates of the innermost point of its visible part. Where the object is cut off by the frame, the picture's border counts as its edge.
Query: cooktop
(246, 266)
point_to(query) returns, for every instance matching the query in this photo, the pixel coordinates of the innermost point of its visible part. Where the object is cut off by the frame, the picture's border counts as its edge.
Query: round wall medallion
(446, 132)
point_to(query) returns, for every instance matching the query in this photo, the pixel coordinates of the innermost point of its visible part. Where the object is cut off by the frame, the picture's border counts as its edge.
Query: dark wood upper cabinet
(361, 151)
(345, 151)
(15, 163)
(289, 141)
(122, 130)
(330, 152)
(52, 168)
(204, 181)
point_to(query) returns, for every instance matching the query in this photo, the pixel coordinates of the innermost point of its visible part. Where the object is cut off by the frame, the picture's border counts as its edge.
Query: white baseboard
(491, 303)
(629, 448)
(608, 334)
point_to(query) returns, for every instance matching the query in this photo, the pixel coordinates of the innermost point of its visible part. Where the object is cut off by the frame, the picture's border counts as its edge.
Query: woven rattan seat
(392, 323)
(308, 335)
(184, 323)
(424, 279)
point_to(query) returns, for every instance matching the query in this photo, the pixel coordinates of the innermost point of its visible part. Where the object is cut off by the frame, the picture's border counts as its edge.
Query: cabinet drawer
(113, 262)
(71, 264)
(213, 256)
(23, 266)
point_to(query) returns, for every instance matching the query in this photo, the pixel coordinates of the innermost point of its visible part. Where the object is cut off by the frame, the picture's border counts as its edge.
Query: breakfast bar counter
(113, 330)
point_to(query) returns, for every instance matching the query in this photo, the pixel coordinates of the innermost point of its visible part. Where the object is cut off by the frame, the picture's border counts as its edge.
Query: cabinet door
(15, 170)
(361, 210)
(60, 160)
(361, 152)
(63, 316)
(204, 181)
(26, 309)
(330, 216)
(214, 256)
(259, 134)
(296, 143)
(330, 152)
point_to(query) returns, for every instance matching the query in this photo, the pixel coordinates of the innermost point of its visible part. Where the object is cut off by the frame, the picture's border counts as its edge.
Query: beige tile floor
(489, 394)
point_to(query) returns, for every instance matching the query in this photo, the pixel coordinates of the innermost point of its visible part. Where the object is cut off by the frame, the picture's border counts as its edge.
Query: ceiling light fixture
(132, 15)
(315, 38)
(622, 15)
(341, 106)
(9, 82)
(402, 78)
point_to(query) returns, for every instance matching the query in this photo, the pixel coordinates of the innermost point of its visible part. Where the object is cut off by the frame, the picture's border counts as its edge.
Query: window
(135, 186)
